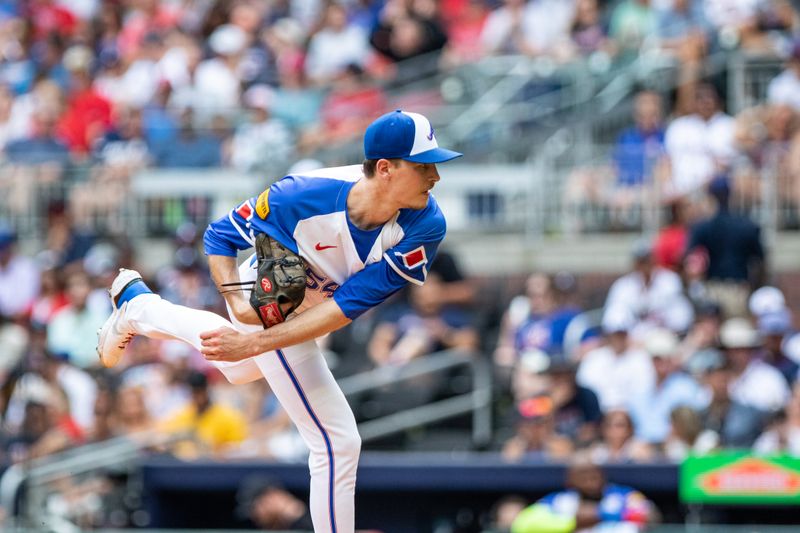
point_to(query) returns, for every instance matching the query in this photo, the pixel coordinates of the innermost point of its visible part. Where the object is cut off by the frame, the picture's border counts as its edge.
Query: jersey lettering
(315, 282)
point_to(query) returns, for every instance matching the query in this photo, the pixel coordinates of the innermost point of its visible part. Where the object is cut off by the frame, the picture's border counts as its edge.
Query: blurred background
(607, 332)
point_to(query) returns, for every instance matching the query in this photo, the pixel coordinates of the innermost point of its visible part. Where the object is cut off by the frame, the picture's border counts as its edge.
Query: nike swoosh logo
(319, 247)
(430, 135)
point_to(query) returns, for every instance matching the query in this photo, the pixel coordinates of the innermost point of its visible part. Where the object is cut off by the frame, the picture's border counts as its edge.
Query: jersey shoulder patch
(262, 204)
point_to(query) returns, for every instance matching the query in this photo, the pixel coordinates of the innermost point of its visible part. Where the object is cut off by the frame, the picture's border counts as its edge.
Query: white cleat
(116, 334)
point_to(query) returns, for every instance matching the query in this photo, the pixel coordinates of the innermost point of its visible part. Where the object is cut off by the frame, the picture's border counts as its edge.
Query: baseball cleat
(116, 334)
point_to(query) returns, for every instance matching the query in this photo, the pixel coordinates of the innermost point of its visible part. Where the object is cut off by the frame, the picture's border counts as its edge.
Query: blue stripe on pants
(325, 437)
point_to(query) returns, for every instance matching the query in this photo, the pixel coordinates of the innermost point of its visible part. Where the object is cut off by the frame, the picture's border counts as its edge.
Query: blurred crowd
(94, 91)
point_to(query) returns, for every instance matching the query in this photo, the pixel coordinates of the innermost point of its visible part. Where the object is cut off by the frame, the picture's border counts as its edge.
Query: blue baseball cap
(404, 135)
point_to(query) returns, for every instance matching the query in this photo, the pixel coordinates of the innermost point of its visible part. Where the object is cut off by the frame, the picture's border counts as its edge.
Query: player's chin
(421, 201)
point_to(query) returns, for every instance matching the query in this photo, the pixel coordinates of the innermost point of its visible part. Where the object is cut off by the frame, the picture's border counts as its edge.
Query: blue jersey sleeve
(367, 288)
(231, 232)
(405, 262)
(424, 231)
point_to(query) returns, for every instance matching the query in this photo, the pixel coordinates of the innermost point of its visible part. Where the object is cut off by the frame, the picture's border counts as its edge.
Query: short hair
(368, 167)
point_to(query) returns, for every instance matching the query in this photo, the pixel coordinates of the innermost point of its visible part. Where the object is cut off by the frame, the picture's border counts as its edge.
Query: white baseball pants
(302, 382)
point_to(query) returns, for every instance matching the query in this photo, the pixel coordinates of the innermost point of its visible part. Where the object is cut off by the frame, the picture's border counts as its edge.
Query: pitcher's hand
(226, 344)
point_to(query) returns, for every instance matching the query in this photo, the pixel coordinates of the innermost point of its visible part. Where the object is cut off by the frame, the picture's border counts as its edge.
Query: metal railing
(478, 401)
(37, 478)
(121, 454)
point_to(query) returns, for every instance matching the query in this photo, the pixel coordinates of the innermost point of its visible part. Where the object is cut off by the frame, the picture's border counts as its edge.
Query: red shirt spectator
(48, 17)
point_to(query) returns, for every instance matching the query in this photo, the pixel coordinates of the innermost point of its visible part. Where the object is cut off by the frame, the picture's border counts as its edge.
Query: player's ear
(382, 167)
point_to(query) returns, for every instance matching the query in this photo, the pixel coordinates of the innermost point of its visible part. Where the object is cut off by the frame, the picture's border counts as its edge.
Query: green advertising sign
(740, 478)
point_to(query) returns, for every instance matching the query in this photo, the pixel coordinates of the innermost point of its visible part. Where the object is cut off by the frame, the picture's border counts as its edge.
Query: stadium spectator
(504, 512)
(536, 320)
(335, 46)
(651, 294)
(637, 163)
(263, 143)
(783, 434)
(265, 504)
(211, 427)
(534, 28)
(631, 22)
(424, 328)
(617, 370)
(785, 87)
(588, 34)
(753, 381)
(43, 146)
(346, 110)
(217, 80)
(62, 431)
(72, 331)
(132, 416)
(65, 241)
(730, 245)
(191, 148)
(684, 33)
(704, 333)
(141, 19)
(699, 145)
(577, 410)
(588, 501)
(463, 26)
(14, 340)
(726, 421)
(673, 388)
(17, 446)
(78, 386)
(686, 426)
(410, 30)
(773, 318)
(88, 114)
(19, 276)
(10, 129)
(669, 246)
(459, 290)
(764, 137)
(735, 21)
(104, 425)
(535, 438)
(637, 153)
(618, 442)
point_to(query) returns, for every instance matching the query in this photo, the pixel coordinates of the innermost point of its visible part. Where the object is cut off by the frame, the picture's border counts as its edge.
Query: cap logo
(430, 135)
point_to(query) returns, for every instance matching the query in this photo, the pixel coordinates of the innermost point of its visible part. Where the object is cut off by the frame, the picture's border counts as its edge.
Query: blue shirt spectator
(639, 148)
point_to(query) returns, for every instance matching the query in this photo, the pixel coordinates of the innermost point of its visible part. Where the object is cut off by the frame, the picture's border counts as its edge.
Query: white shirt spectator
(139, 83)
(261, 146)
(785, 89)
(19, 285)
(761, 386)
(216, 87)
(697, 148)
(771, 442)
(616, 377)
(544, 25)
(329, 52)
(81, 391)
(660, 303)
(730, 13)
(73, 332)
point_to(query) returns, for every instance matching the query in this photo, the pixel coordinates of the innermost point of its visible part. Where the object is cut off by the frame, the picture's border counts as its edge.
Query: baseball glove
(280, 284)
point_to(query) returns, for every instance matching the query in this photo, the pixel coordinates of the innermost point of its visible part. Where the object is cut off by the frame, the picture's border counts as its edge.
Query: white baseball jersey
(308, 214)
